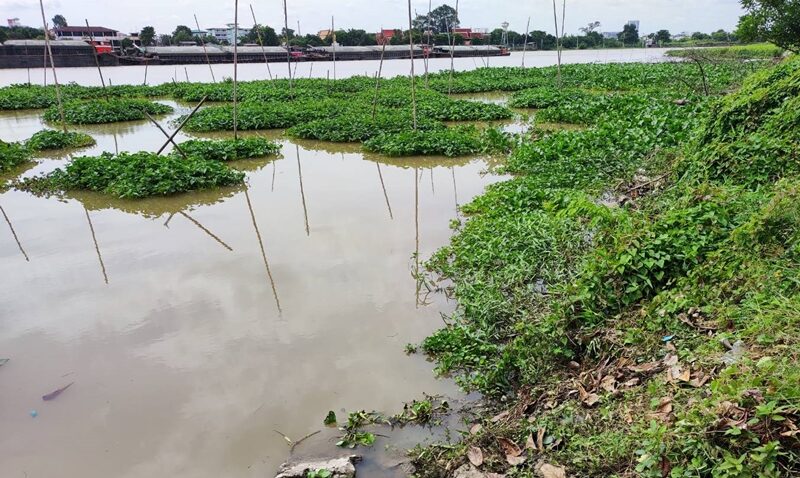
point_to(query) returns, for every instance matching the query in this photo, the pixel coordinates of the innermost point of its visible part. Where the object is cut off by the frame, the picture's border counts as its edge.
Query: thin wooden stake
(525, 46)
(378, 80)
(558, 42)
(260, 41)
(235, 68)
(455, 190)
(180, 127)
(413, 85)
(333, 44)
(416, 233)
(288, 50)
(427, 56)
(49, 51)
(14, 233)
(169, 138)
(205, 50)
(146, 63)
(96, 55)
(452, 55)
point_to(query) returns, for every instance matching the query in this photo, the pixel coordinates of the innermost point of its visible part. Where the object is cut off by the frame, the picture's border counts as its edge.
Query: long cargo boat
(75, 53)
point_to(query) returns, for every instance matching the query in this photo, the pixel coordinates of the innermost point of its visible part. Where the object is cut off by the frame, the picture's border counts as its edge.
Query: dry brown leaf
(475, 456)
(477, 428)
(665, 405)
(509, 447)
(685, 375)
(499, 417)
(671, 360)
(644, 367)
(591, 400)
(609, 384)
(495, 475)
(550, 471)
(515, 460)
(530, 443)
(540, 439)
(631, 383)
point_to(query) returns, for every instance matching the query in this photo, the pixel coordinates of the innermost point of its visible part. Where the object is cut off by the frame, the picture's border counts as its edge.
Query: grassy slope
(657, 337)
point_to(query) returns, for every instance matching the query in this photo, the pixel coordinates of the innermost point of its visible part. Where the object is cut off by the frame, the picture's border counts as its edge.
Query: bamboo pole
(235, 68)
(205, 50)
(14, 233)
(169, 138)
(452, 54)
(378, 80)
(455, 189)
(260, 41)
(413, 85)
(416, 234)
(333, 44)
(525, 46)
(288, 51)
(96, 56)
(146, 63)
(183, 123)
(263, 252)
(186, 72)
(426, 56)
(49, 51)
(302, 191)
(558, 42)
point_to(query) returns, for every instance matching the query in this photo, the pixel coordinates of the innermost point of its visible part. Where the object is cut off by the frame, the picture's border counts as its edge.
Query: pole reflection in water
(204, 229)
(455, 191)
(263, 252)
(14, 233)
(96, 247)
(385, 193)
(416, 232)
(302, 191)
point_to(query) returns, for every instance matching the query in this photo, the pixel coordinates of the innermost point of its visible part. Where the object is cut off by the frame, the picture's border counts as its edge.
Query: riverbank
(630, 299)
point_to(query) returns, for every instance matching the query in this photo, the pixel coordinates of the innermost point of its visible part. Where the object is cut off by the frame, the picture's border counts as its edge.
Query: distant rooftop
(83, 29)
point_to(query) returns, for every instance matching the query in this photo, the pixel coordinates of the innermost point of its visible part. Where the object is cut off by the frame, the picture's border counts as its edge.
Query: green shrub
(359, 127)
(230, 149)
(106, 111)
(136, 175)
(12, 154)
(48, 139)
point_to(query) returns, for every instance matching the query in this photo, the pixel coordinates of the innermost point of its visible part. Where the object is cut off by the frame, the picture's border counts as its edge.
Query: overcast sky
(314, 15)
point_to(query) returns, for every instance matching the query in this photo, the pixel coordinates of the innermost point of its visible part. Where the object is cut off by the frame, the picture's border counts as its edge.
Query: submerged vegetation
(230, 149)
(631, 296)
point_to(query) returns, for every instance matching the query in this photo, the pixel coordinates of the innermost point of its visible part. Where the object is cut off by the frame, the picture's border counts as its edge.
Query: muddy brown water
(200, 347)
(257, 71)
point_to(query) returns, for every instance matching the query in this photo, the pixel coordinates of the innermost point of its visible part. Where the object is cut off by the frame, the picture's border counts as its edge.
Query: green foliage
(739, 52)
(230, 149)
(319, 474)
(353, 430)
(442, 142)
(48, 139)
(135, 175)
(106, 111)
(777, 21)
(12, 155)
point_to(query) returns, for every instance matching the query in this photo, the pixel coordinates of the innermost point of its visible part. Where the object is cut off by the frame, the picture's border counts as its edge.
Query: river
(199, 329)
(258, 71)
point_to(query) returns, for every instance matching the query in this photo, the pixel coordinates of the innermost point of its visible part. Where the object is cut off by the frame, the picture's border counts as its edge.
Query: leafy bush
(230, 149)
(12, 154)
(136, 175)
(741, 52)
(106, 111)
(51, 139)
(262, 116)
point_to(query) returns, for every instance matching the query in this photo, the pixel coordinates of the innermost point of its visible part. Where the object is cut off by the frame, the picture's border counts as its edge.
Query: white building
(226, 34)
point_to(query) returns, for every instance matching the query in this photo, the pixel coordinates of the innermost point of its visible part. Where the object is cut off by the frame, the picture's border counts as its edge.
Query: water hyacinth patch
(106, 111)
(230, 149)
(49, 139)
(458, 141)
(135, 175)
(12, 154)
(359, 127)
